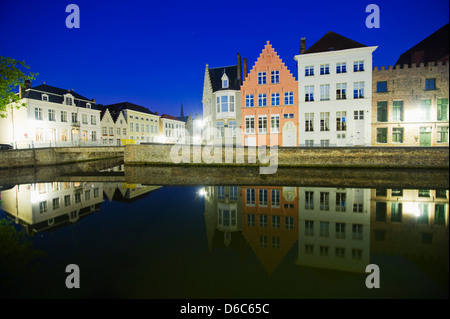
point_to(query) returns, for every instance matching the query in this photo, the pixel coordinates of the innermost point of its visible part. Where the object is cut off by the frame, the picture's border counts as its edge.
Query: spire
(182, 113)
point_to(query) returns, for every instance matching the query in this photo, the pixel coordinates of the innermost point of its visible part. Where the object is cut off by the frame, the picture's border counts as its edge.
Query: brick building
(410, 99)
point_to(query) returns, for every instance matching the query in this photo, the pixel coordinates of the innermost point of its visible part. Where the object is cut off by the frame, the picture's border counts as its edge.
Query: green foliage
(16, 251)
(12, 74)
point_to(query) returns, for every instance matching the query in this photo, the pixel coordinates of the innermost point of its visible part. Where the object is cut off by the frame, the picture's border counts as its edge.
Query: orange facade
(269, 103)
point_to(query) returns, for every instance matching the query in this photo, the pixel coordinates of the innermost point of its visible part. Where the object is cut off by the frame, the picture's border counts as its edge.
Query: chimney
(156, 113)
(245, 68)
(239, 72)
(26, 85)
(302, 45)
(93, 100)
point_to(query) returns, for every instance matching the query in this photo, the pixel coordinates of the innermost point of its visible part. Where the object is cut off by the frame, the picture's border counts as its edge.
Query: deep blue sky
(153, 53)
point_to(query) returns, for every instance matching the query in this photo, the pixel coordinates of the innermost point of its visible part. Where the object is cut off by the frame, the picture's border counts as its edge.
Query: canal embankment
(57, 155)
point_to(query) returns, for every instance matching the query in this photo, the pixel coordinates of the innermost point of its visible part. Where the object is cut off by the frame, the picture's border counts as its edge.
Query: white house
(171, 129)
(53, 117)
(222, 102)
(114, 128)
(335, 92)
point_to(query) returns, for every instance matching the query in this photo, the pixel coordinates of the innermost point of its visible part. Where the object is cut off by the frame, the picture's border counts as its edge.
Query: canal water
(253, 242)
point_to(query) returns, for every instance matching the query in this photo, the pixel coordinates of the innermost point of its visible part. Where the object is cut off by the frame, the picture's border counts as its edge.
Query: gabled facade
(114, 128)
(334, 85)
(269, 103)
(143, 124)
(53, 117)
(221, 103)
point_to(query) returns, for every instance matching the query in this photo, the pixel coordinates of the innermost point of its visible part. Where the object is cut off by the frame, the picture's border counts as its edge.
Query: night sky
(154, 53)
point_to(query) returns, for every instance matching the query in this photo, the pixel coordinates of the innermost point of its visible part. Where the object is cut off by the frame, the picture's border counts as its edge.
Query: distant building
(335, 81)
(171, 129)
(221, 103)
(143, 124)
(410, 99)
(53, 117)
(114, 128)
(269, 102)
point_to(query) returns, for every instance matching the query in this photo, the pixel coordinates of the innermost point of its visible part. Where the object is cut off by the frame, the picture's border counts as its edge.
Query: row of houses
(339, 99)
(60, 117)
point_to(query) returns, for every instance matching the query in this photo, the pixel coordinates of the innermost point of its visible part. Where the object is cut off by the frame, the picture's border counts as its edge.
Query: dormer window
(88, 105)
(225, 81)
(68, 100)
(45, 97)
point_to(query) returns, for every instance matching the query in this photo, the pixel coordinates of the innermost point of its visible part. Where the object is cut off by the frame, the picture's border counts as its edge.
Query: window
(397, 135)
(309, 70)
(357, 208)
(358, 66)
(263, 241)
(357, 231)
(341, 91)
(45, 97)
(39, 135)
(87, 195)
(324, 121)
(262, 124)
(309, 122)
(382, 86)
(51, 115)
(358, 90)
(442, 134)
(68, 100)
(263, 197)
(142, 128)
(232, 128)
(233, 193)
(88, 105)
(137, 127)
(261, 77)
(124, 131)
(222, 103)
(425, 109)
(276, 221)
(324, 92)
(224, 81)
(289, 222)
(251, 220)
(439, 214)
(84, 118)
(324, 69)
(52, 134)
(341, 124)
(309, 93)
(309, 200)
(396, 212)
(324, 201)
(289, 98)
(249, 102)
(340, 202)
(104, 131)
(111, 131)
(324, 229)
(382, 135)
(43, 207)
(309, 228)
(64, 136)
(341, 67)
(357, 254)
(430, 84)
(262, 99)
(249, 125)
(221, 192)
(309, 249)
(63, 116)
(131, 127)
(220, 129)
(250, 196)
(340, 230)
(309, 143)
(55, 202)
(275, 77)
(38, 113)
(67, 200)
(74, 117)
(275, 124)
(275, 198)
(397, 113)
(275, 99)
(358, 115)
(442, 110)
(382, 115)
(262, 220)
(324, 143)
(94, 136)
(288, 116)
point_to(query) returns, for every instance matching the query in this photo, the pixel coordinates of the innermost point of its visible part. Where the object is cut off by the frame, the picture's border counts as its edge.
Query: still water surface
(141, 241)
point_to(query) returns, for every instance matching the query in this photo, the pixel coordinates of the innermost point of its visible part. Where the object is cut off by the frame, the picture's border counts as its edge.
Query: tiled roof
(434, 48)
(332, 41)
(215, 75)
(56, 95)
(170, 117)
(116, 108)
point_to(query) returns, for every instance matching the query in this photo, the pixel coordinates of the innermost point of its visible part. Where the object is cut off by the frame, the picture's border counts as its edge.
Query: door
(425, 136)
(359, 133)
(289, 134)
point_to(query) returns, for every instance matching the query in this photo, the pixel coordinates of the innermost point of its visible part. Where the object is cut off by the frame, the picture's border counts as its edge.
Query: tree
(12, 74)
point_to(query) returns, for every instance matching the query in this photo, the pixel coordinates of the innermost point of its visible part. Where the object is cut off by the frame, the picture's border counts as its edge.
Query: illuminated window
(442, 134)
(382, 135)
(442, 110)
(341, 124)
(397, 135)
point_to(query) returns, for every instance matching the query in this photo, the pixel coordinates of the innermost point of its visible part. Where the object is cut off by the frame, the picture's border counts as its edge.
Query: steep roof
(118, 107)
(170, 117)
(332, 41)
(434, 48)
(56, 95)
(216, 74)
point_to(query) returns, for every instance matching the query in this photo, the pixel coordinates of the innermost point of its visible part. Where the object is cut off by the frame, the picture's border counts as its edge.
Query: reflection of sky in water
(157, 247)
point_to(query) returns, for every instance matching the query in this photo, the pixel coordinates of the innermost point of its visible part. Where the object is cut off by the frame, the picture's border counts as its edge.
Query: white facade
(113, 132)
(335, 98)
(46, 124)
(171, 130)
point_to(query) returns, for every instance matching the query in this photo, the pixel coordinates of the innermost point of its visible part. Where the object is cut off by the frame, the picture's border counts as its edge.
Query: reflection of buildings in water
(46, 206)
(124, 192)
(411, 223)
(223, 216)
(334, 228)
(270, 223)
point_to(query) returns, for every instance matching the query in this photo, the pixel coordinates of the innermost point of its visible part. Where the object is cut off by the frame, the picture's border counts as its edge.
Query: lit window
(442, 110)
(341, 124)
(382, 135)
(397, 135)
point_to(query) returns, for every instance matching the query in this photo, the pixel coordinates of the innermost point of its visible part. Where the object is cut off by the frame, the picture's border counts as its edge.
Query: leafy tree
(12, 74)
